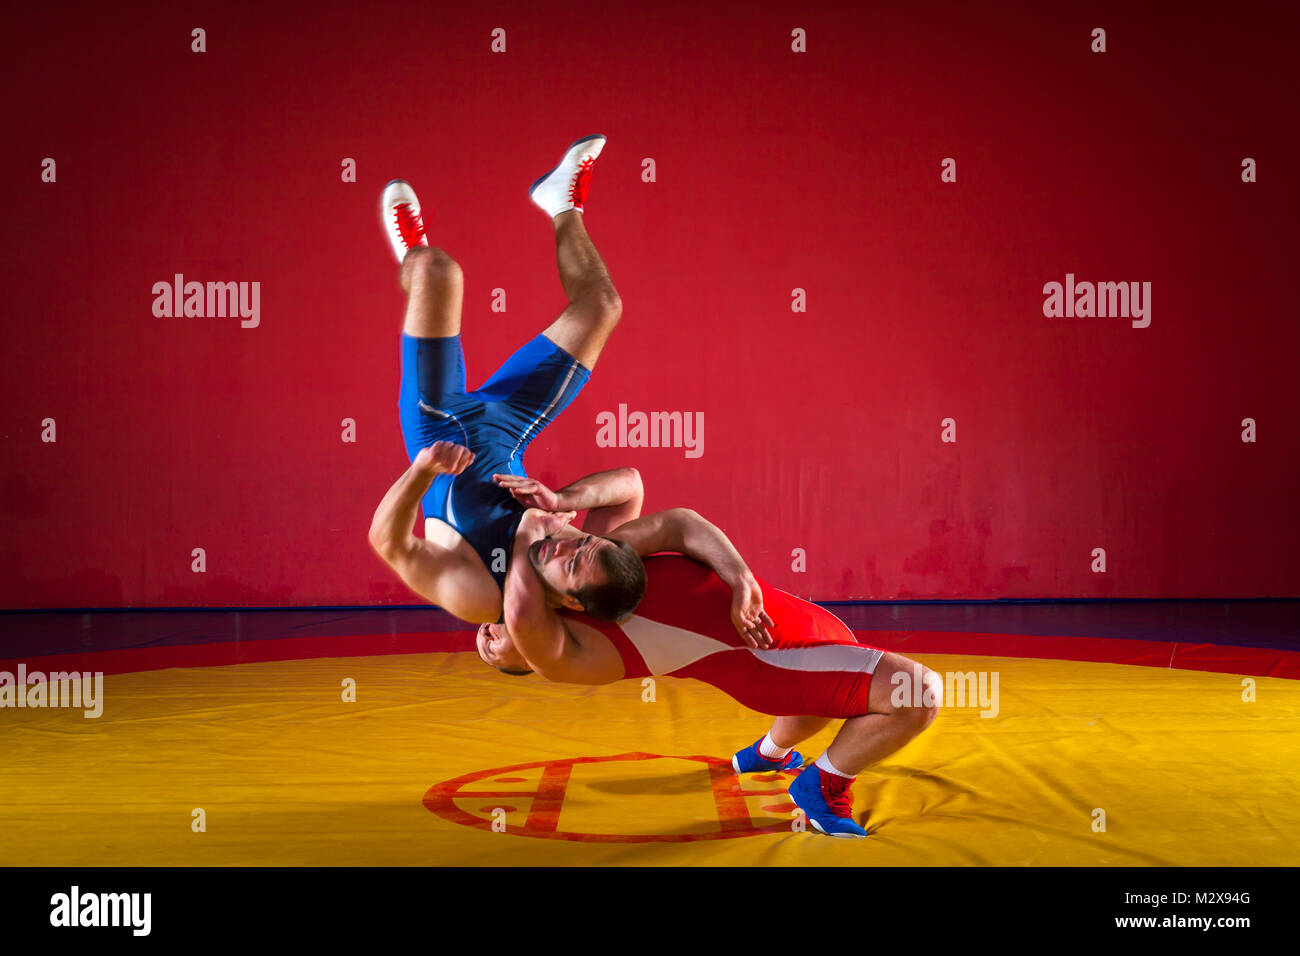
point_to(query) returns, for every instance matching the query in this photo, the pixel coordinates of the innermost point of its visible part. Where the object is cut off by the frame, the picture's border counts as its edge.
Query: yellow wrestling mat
(286, 772)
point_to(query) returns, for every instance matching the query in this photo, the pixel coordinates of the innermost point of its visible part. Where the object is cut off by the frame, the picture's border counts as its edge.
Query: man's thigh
(432, 402)
(534, 386)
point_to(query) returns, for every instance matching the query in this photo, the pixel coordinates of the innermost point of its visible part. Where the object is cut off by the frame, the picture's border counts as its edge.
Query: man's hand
(748, 615)
(537, 524)
(529, 492)
(443, 458)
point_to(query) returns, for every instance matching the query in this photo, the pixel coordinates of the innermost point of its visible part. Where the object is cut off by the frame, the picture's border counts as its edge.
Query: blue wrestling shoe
(750, 760)
(826, 801)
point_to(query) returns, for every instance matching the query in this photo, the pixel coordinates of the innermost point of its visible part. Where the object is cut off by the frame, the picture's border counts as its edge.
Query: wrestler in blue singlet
(496, 422)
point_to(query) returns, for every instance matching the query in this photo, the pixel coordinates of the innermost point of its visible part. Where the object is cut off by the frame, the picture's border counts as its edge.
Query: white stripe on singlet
(823, 657)
(666, 649)
(573, 368)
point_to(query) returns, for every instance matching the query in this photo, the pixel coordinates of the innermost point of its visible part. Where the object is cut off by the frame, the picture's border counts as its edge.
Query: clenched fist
(444, 458)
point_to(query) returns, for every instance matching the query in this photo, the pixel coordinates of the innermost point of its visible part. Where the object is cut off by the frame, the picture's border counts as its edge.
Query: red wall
(776, 170)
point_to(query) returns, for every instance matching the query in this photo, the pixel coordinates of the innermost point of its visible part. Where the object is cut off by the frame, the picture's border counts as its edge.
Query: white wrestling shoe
(565, 187)
(399, 211)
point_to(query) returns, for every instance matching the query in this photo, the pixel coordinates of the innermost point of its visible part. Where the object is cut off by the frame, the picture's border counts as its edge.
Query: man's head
(497, 649)
(601, 576)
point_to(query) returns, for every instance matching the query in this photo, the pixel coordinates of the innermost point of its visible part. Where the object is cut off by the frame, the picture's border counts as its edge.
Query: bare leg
(864, 740)
(594, 306)
(788, 731)
(435, 289)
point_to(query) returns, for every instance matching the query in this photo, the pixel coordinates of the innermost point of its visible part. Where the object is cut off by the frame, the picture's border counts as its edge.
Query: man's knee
(611, 304)
(931, 698)
(600, 305)
(430, 264)
(917, 693)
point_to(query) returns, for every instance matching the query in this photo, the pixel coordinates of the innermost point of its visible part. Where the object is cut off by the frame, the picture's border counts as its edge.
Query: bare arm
(392, 527)
(687, 532)
(610, 498)
(436, 573)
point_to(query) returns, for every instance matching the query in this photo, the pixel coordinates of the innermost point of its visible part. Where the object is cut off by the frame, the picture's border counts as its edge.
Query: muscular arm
(437, 573)
(610, 498)
(392, 528)
(687, 532)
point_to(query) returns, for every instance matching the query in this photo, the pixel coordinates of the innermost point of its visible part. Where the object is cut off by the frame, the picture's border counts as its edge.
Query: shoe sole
(842, 836)
(546, 175)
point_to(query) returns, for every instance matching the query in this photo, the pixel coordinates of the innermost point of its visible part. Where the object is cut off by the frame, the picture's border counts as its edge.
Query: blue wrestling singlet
(497, 422)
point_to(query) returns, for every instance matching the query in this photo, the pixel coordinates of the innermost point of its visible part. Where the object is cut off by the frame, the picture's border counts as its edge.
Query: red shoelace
(836, 793)
(581, 182)
(409, 224)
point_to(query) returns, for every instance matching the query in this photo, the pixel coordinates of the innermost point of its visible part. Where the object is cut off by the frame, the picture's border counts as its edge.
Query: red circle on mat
(548, 799)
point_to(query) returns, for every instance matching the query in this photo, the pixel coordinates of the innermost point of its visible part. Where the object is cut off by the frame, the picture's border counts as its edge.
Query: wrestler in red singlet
(682, 628)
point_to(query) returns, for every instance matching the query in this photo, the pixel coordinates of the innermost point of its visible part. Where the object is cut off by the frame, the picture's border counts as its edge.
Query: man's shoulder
(589, 656)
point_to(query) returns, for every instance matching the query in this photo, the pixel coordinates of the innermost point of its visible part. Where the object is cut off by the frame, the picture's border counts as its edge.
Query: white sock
(770, 750)
(825, 763)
